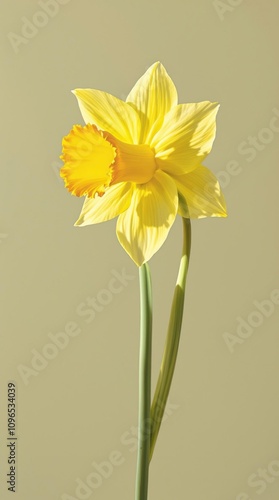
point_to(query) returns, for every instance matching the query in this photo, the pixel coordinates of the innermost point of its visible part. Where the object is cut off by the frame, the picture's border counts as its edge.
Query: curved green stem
(172, 340)
(144, 383)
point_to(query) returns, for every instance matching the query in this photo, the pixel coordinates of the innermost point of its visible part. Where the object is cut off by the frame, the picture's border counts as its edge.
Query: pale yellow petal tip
(222, 212)
(134, 253)
(79, 222)
(75, 92)
(225, 212)
(156, 65)
(223, 205)
(78, 93)
(215, 106)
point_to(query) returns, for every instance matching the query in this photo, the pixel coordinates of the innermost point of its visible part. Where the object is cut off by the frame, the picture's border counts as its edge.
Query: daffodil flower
(140, 159)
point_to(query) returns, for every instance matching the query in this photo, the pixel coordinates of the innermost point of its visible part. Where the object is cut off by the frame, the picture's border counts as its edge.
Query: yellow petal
(203, 194)
(153, 95)
(115, 200)
(88, 158)
(186, 137)
(144, 226)
(109, 113)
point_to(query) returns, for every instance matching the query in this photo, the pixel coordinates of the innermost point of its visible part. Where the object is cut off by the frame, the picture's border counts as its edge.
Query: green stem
(172, 340)
(144, 383)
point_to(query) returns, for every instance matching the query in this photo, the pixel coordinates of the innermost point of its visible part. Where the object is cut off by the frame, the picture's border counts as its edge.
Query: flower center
(133, 162)
(94, 160)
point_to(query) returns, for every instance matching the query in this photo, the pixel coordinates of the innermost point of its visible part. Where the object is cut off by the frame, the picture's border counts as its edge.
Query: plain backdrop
(77, 410)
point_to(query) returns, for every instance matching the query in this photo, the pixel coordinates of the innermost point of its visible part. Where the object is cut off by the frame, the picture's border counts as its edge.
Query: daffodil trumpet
(141, 160)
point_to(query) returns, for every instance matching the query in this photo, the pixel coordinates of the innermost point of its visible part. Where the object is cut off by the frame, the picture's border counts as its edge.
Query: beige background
(222, 430)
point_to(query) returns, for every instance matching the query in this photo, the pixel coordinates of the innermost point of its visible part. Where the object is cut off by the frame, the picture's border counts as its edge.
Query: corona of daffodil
(141, 160)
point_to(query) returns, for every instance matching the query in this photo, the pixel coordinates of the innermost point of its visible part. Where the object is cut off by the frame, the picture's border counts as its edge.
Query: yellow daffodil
(140, 159)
